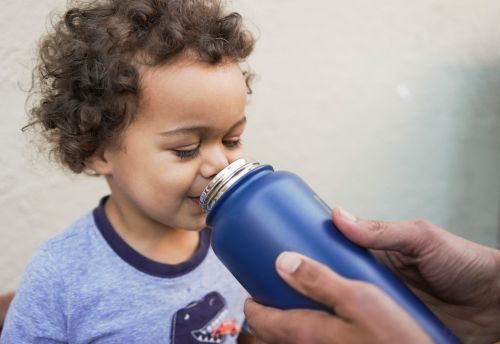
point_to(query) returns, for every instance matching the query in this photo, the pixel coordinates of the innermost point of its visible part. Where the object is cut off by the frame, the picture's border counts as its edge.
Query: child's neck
(151, 239)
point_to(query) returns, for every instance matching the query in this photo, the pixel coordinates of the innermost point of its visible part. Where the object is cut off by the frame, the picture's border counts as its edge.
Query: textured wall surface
(389, 108)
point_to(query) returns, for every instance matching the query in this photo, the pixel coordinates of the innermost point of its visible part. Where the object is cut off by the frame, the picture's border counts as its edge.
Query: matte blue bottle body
(265, 213)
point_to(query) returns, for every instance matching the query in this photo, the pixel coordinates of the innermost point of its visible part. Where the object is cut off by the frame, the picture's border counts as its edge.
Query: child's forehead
(186, 67)
(192, 92)
(191, 81)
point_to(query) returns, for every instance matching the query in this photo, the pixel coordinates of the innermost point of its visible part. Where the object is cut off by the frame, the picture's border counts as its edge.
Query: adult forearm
(487, 321)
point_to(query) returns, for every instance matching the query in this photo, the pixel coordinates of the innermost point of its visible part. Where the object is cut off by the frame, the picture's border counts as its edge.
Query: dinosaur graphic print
(205, 321)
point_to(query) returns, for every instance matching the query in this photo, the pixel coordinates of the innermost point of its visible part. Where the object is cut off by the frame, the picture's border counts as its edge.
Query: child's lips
(196, 199)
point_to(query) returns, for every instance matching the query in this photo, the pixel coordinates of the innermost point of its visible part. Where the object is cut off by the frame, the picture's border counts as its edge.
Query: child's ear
(99, 162)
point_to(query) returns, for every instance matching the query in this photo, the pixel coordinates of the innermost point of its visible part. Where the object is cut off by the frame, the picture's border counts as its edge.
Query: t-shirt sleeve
(37, 313)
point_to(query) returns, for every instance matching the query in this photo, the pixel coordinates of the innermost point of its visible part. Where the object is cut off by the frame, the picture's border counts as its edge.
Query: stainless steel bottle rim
(223, 180)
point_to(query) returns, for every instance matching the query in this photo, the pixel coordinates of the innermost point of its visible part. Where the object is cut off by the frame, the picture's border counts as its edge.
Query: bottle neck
(224, 180)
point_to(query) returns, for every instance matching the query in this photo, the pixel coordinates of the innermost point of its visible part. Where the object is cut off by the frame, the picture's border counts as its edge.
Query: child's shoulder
(68, 247)
(74, 236)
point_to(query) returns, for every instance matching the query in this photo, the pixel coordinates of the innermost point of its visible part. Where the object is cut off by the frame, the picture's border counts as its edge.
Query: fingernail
(288, 262)
(347, 215)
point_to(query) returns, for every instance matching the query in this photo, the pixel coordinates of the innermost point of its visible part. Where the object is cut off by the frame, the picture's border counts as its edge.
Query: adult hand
(458, 279)
(363, 313)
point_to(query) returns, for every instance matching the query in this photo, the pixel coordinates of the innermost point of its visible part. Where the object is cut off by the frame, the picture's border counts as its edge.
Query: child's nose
(214, 162)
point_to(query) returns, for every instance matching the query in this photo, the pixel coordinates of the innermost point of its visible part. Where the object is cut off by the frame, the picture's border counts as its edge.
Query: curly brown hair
(87, 80)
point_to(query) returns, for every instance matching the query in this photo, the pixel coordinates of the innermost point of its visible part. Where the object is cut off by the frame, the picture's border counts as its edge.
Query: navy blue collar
(137, 260)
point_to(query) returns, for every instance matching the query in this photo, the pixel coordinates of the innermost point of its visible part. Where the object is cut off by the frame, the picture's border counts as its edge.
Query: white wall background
(389, 108)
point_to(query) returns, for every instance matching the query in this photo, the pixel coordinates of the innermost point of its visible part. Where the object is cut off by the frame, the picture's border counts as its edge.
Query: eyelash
(186, 154)
(192, 153)
(232, 143)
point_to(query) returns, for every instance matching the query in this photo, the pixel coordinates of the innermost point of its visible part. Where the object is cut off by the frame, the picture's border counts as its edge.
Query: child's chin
(197, 224)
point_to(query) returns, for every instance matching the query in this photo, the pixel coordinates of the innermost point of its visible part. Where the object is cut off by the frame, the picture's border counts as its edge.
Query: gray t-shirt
(87, 285)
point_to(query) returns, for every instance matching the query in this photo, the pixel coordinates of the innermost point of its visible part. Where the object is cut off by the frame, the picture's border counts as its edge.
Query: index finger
(407, 237)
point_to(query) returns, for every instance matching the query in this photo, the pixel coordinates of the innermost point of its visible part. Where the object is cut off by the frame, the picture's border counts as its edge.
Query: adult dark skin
(5, 300)
(458, 279)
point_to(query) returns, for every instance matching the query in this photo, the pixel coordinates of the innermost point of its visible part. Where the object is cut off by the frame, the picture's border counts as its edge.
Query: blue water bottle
(256, 213)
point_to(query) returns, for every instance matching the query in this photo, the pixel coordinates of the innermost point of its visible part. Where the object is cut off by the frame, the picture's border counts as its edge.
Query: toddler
(148, 94)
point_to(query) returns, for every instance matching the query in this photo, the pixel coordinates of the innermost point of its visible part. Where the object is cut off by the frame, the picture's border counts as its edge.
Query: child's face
(187, 129)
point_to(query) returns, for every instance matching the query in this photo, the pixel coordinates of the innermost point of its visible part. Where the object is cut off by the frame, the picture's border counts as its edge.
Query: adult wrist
(496, 284)
(496, 292)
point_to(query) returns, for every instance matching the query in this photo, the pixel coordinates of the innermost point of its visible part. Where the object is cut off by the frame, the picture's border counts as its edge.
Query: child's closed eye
(233, 143)
(187, 153)
(194, 152)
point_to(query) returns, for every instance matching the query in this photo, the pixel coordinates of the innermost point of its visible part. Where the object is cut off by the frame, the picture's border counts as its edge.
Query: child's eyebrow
(186, 130)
